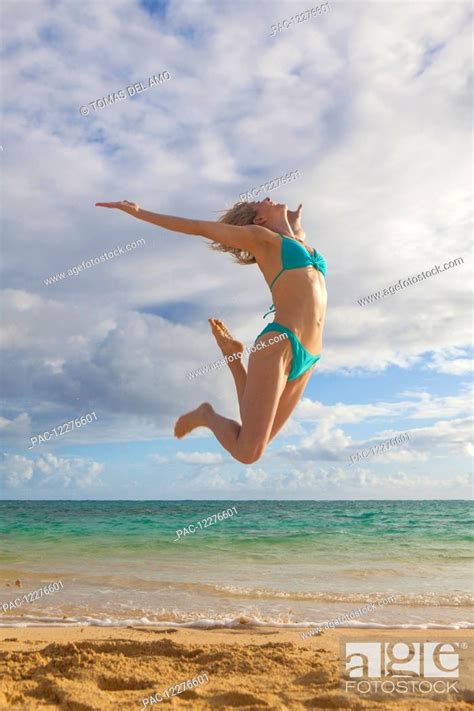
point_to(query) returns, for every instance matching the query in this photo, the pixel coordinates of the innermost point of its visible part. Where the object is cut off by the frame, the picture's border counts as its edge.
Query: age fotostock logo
(402, 667)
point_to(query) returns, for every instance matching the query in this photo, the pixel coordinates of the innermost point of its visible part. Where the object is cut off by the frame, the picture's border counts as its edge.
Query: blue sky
(370, 102)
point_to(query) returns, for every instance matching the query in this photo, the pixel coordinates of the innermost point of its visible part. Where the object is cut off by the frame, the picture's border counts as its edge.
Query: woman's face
(269, 212)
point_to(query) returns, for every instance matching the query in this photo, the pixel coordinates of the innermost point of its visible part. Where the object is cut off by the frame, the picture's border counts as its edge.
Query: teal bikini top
(294, 256)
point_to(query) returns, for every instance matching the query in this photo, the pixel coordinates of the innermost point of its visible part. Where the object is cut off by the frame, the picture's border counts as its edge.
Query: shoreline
(66, 619)
(304, 631)
(92, 668)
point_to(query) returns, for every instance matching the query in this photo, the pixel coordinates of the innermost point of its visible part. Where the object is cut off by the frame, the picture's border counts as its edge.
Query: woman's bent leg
(266, 379)
(292, 394)
(233, 350)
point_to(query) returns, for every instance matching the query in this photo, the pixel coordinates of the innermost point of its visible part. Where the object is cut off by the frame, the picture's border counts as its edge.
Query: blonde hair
(242, 213)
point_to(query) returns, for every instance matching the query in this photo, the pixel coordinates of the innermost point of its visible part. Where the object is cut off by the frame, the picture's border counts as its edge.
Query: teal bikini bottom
(302, 359)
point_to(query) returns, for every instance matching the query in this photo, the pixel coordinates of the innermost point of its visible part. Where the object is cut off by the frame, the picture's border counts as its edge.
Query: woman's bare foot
(224, 338)
(195, 418)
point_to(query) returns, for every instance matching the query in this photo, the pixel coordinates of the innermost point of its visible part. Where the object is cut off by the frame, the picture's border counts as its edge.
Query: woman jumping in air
(270, 235)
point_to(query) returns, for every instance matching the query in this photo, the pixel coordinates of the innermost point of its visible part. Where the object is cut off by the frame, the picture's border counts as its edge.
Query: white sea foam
(240, 622)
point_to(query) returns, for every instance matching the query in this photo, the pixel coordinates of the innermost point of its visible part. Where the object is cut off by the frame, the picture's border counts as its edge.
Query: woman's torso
(299, 294)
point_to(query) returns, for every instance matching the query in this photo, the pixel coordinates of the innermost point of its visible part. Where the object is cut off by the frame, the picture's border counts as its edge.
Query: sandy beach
(92, 668)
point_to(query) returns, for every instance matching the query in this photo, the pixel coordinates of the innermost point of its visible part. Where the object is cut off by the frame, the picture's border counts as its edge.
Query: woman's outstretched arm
(248, 237)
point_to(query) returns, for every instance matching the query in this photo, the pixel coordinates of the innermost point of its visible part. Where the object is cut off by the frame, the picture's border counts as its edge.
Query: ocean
(284, 563)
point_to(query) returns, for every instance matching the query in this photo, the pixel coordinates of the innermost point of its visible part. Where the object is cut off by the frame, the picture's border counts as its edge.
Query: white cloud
(469, 449)
(251, 477)
(448, 362)
(327, 441)
(361, 482)
(18, 426)
(207, 481)
(416, 405)
(411, 196)
(381, 148)
(15, 469)
(62, 473)
(66, 472)
(127, 366)
(199, 457)
(158, 459)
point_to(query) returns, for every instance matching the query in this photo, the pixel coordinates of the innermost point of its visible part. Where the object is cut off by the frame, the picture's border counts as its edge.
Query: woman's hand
(294, 218)
(295, 215)
(124, 205)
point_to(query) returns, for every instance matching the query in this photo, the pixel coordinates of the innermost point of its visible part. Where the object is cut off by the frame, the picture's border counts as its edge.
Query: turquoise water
(279, 562)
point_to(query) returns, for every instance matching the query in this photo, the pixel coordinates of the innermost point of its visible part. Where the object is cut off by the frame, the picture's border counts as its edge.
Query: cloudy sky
(370, 102)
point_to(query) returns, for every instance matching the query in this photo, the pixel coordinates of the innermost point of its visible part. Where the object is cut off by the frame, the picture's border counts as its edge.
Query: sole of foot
(226, 342)
(189, 421)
